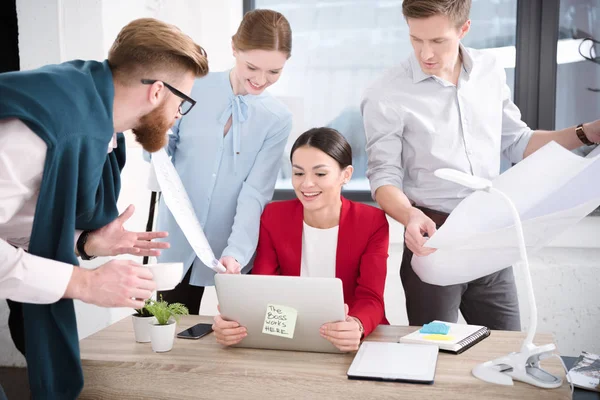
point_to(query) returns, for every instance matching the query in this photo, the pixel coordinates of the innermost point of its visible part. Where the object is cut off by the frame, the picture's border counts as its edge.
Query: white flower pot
(141, 328)
(162, 336)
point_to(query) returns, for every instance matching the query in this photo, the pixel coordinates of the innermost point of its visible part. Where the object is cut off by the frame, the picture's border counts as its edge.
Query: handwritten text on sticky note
(280, 321)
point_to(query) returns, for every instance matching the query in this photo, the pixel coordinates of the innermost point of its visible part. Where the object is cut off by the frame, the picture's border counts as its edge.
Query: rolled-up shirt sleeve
(24, 277)
(515, 132)
(31, 279)
(383, 130)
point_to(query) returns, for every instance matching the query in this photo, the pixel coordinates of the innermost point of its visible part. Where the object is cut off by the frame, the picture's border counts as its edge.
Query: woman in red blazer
(323, 234)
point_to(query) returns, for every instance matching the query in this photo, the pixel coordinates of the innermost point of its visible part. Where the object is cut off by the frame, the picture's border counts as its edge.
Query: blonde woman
(227, 151)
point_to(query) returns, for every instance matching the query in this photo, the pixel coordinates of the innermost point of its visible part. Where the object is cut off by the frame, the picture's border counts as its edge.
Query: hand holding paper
(552, 190)
(418, 225)
(231, 265)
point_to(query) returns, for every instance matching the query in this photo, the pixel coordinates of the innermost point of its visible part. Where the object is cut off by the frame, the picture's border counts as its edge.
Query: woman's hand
(228, 333)
(344, 335)
(231, 265)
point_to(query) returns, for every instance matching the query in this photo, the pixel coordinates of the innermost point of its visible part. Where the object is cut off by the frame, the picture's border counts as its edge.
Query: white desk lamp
(523, 366)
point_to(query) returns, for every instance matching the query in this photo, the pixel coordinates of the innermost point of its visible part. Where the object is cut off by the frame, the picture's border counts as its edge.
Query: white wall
(211, 23)
(566, 276)
(38, 33)
(52, 31)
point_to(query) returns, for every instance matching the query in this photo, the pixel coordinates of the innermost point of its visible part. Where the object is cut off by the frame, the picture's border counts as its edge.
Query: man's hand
(113, 239)
(118, 283)
(418, 224)
(231, 265)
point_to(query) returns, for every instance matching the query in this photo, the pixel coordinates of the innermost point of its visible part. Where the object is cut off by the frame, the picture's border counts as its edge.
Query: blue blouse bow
(238, 111)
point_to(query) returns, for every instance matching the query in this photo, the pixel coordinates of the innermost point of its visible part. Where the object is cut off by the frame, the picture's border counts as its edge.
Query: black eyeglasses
(187, 102)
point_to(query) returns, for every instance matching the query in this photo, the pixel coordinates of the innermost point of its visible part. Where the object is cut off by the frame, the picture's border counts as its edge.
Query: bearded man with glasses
(60, 164)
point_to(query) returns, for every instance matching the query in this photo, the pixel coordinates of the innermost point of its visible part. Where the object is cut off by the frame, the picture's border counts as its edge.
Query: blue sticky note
(436, 328)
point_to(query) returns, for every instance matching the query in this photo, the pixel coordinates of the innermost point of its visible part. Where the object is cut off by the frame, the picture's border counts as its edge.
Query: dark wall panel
(9, 36)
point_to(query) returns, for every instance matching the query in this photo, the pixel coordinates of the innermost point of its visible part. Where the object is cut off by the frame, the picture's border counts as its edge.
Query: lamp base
(523, 366)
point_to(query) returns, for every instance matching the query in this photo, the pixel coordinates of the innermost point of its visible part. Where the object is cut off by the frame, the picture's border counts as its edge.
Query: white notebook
(459, 338)
(394, 362)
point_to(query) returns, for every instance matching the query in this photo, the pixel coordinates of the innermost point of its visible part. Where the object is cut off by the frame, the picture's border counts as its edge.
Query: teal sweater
(70, 107)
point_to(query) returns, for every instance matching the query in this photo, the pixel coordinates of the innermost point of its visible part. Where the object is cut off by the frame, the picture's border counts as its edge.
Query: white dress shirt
(416, 123)
(25, 277)
(319, 250)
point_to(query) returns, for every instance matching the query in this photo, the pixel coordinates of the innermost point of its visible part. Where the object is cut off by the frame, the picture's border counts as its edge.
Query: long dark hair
(329, 141)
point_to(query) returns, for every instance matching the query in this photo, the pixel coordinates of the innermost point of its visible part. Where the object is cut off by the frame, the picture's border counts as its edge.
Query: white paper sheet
(179, 204)
(553, 189)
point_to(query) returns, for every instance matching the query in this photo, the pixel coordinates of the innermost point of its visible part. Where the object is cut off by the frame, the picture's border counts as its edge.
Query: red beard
(151, 133)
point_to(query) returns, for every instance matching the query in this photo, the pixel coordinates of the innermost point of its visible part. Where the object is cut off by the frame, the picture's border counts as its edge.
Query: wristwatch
(81, 246)
(581, 135)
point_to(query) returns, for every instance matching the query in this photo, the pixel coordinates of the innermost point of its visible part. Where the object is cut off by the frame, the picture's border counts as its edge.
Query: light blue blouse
(230, 178)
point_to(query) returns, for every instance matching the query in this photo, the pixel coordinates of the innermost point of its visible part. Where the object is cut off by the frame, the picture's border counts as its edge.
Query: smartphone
(196, 331)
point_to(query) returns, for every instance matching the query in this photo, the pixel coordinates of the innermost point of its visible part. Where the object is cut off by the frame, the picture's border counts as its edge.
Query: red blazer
(361, 260)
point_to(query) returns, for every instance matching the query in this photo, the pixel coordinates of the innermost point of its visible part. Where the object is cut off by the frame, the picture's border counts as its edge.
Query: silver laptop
(314, 301)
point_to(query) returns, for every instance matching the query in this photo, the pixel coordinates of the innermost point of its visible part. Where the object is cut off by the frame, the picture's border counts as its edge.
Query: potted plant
(142, 320)
(162, 331)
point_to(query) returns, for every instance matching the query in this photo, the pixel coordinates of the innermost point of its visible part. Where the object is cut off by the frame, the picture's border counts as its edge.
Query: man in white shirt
(447, 107)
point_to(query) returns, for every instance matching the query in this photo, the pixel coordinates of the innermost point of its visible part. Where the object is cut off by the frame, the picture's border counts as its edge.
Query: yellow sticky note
(280, 321)
(437, 336)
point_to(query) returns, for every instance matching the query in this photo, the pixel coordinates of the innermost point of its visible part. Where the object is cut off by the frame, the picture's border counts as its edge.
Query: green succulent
(144, 312)
(163, 311)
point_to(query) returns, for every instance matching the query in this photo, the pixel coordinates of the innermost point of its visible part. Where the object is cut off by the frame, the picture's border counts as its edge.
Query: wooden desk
(115, 366)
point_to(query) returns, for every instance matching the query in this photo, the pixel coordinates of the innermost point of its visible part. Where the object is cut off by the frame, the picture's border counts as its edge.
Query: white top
(25, 277)
(319, 250)
(416, 123)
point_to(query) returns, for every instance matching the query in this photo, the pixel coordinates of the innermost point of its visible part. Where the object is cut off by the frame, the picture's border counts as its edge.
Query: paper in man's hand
(552, 189)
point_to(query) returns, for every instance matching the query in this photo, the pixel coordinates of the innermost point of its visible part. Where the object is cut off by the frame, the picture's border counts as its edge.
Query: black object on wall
(249, 5)
(9, 36)
(535, 72)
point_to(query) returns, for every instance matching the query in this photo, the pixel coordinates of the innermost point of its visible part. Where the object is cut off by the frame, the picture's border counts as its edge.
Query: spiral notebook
(459, 338)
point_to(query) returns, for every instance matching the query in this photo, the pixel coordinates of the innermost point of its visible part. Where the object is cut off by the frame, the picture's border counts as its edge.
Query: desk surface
(115, 366)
